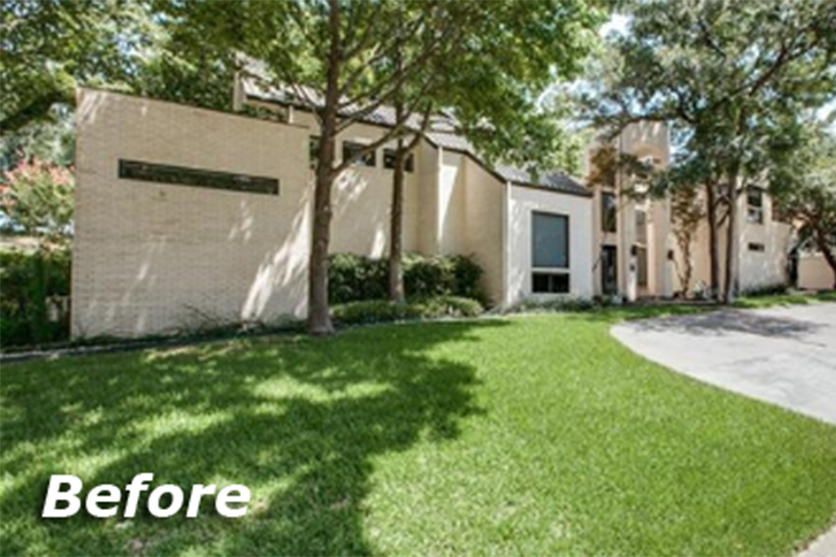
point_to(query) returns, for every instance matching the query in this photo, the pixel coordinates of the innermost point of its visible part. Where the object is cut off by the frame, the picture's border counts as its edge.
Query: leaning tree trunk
(396, 289)
(713, 247)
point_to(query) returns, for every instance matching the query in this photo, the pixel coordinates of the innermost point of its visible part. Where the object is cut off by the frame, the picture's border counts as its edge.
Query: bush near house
(33, 286)
(379, 311)
(354, 278)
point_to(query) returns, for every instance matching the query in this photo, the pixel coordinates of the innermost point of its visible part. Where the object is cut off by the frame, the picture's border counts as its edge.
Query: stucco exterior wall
(483, 206)
(643, 140)
(362, 198)
(760, 269)
(522, 202)
(755, 269)
(152, 258)
(814, 273)
(451, 203)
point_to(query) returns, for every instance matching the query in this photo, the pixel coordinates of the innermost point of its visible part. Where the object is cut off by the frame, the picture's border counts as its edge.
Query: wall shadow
(298, 421)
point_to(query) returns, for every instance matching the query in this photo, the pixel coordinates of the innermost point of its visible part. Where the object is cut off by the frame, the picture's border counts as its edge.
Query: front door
(609, 270)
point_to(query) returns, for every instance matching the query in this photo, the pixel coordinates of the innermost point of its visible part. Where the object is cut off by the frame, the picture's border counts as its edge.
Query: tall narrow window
(609, 212)
(313, 151)
(754, 205)
(550, 253)
(641, 248)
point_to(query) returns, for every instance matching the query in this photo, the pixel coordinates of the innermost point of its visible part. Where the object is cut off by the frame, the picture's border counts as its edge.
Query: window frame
(409, 165)
(755, 212)
(369, 160)
(564, 271)
(605, 209)
(313, 151)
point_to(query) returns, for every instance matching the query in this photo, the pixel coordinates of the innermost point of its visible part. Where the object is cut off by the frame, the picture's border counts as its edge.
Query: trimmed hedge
(356, 278)
(381, 311)
(29, 281)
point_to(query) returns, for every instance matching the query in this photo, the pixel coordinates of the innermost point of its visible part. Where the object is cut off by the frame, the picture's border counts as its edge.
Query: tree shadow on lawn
(298, 422)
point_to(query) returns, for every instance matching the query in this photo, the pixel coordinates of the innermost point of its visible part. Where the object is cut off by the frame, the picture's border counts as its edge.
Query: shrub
(766, 290)
(357, 278)
(380, 311)
(563, 304)
(31, 282)
(354, 277)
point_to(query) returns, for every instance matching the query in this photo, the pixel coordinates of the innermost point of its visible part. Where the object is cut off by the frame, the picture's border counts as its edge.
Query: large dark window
(183, 176)
(549, 240)
(609, 212)
(550, 253)
(389, 160)
(351, 149)
(754, 205)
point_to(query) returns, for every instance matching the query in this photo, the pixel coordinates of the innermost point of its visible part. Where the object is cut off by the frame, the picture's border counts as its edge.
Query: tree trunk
(826, 250)
(730, 287)
(396, 289)
(319, 315)
(713, 247)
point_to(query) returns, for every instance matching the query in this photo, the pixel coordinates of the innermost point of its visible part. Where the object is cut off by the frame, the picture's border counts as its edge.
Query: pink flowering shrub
(36, 198)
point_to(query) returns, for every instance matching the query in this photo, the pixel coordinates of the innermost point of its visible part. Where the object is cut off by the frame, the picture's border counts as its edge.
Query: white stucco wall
(451, 203)
(362, 197)
(483, 206)
(522, 202)
(768, 268)
(755, 269)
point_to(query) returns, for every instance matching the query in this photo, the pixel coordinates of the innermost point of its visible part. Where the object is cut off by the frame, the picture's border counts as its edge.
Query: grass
(787, 299)
(523, 435)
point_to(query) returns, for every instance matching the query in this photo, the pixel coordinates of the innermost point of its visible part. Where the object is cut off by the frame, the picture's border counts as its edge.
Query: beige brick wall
(151, 258)
(154, 258)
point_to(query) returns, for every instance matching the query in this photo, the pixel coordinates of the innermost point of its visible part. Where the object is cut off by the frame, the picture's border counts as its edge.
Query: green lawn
(793, 298)
(521, 436)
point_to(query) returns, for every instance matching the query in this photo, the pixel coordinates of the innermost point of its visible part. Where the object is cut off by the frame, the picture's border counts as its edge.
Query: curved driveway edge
(785, 356)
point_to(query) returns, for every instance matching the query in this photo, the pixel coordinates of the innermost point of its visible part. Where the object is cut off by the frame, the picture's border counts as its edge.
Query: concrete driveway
(785, 356)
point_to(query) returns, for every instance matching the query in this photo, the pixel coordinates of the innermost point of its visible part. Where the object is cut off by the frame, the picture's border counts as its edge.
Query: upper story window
(550, 253)
(609, 212)
(350, 149)
(754, 205)
(641, 226)
(389, 160)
